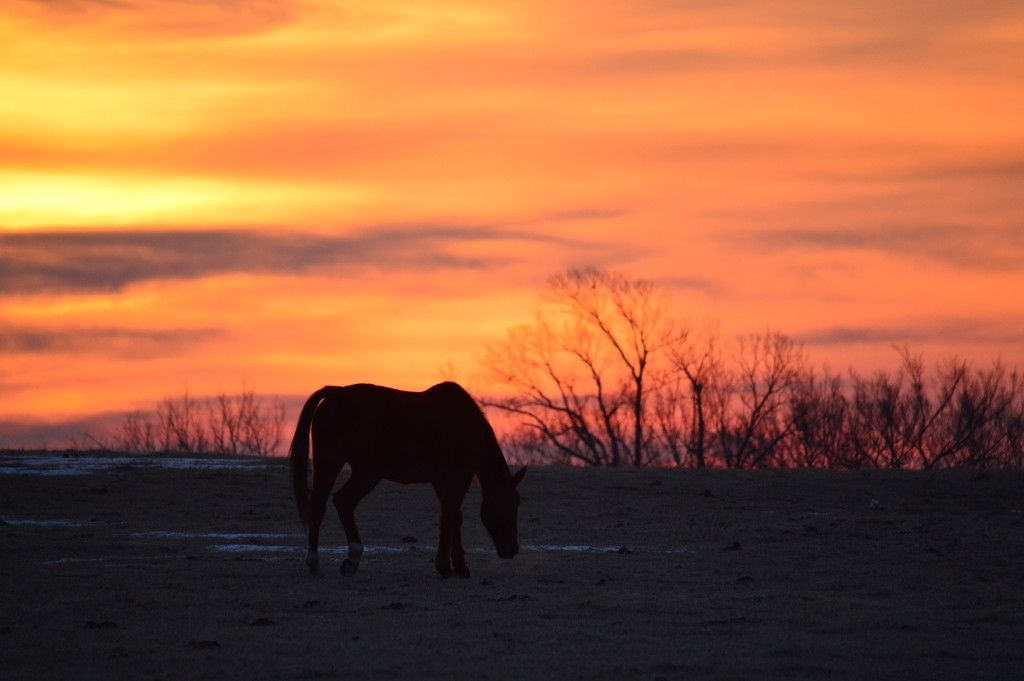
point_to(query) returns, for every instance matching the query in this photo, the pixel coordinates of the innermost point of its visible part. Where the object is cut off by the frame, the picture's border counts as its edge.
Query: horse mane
(495, 467)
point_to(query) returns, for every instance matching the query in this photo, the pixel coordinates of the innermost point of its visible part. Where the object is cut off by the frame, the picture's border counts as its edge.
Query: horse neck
(492, 471)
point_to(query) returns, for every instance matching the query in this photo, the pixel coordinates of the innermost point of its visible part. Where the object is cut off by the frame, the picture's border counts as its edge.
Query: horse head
(498, 511)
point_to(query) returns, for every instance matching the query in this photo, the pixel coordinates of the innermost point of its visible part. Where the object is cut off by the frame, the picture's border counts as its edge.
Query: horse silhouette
(438, 436)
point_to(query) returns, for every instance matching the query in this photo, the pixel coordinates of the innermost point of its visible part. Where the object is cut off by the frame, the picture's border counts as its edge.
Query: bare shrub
(224, 424)
(953, 417)
(969, 431)
(138, 433)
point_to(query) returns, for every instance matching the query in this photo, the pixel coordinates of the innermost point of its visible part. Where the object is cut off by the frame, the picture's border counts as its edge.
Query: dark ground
(785, 575)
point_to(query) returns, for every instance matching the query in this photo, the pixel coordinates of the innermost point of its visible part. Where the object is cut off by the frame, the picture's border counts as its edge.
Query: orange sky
(194, 193)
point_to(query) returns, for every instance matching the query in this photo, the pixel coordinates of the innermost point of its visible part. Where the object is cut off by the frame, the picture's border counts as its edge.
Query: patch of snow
(48, 523)
(545, 548)
(56, 464)
(211, 535)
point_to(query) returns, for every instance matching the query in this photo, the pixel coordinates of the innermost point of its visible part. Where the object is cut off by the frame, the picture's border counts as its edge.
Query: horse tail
(299, 454)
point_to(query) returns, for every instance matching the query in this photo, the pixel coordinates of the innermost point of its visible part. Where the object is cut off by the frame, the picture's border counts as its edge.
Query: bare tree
(878, 422)
(1010, 428)
(930, 404)
(631, 317)
(965, 428)
(558, 389)
(751, 421)
(819, 415)
(582, 375)
(673, 420)
(696, 379)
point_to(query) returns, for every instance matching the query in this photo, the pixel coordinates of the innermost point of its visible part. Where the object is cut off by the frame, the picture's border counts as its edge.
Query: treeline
(607, 377)
(242, 423)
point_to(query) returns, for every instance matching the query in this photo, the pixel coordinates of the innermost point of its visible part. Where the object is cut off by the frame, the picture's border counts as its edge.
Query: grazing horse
(438, 436)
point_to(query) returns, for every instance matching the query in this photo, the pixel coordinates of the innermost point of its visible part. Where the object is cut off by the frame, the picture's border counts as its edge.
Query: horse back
(404, 436)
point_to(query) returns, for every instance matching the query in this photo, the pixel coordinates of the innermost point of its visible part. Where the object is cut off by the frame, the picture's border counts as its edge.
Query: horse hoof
(316, 573)
(463, 573)
(348, 567)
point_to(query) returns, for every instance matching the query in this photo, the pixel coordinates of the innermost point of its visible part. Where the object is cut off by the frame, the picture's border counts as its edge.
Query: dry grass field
(177, 569)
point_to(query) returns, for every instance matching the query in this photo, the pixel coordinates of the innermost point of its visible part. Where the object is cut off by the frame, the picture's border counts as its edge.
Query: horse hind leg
(458, 553)
(317, 509)
(345, 501)
(324, 476)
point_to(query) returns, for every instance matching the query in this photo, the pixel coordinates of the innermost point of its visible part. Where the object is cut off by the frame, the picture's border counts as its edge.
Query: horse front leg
(449, 544)
(451, 556)
(346, 500)
(458, 553)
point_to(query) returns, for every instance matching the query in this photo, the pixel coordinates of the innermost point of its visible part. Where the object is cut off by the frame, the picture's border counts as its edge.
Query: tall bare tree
(582, 373)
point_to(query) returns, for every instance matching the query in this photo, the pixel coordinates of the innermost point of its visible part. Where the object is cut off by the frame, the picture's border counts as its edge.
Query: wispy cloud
(958, 330)
(955, 245)
(648, 62)
(121, 343)
(773, 35)
(686, 284)
(196, 17)
(987, 170)
(108, 261)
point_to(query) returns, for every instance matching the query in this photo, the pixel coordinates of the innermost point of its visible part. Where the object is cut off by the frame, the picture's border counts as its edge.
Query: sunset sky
(197, 193)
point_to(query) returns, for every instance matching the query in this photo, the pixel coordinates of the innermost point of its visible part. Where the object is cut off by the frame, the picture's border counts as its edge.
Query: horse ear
(518, 477)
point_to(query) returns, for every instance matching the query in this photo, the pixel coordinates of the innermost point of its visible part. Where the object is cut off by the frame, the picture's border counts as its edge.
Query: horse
(438, 436)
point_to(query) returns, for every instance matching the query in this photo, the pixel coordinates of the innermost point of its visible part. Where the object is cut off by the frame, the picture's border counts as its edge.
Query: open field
(179, 569)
